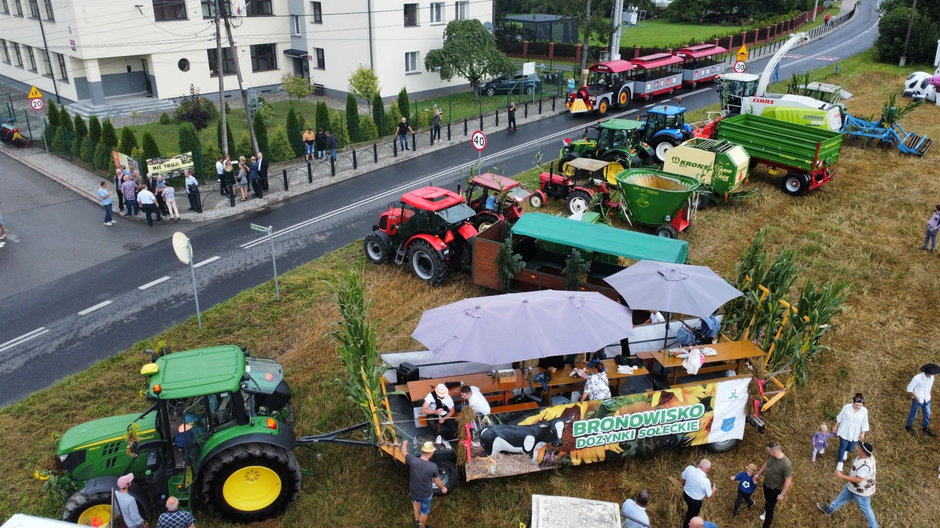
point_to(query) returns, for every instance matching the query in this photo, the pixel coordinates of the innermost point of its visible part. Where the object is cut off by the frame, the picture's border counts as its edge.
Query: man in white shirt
(220, 171)
(634, 511)
(192, 191)
(475, 399)
(148, 203)
(695, 487)
(919, 388)
(439, 409)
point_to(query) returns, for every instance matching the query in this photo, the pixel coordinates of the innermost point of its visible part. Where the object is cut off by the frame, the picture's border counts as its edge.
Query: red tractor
(495, 198)
(431, 228)
(580, 180)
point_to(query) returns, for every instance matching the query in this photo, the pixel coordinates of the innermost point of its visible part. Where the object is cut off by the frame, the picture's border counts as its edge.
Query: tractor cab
(495, 197)
(665, 127)
(610, 140)
(733, 88)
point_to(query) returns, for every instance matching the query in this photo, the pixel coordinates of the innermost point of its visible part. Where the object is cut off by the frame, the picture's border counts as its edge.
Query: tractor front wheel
(578, 201)
(89, 509)
(250, 482)
(663, 146)
(483, 221)
(536, 200)
(795, 183)
(376, 250)
(426, 263)
(667, 231)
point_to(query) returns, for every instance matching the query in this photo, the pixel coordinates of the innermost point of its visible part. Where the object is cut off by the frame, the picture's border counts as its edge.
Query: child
(821, 440)
(745, 488)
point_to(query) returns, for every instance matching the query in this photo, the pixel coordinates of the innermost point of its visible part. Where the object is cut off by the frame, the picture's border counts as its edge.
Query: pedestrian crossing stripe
(34, 93)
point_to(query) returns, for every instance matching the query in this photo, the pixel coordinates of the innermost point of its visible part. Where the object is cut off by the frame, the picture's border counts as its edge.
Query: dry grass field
(864, 228)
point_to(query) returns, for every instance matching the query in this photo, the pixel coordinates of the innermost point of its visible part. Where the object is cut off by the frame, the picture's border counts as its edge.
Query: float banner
(170, 167)
(572, 434)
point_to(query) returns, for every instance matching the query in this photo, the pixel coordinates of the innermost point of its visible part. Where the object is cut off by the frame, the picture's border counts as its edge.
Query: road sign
(256, 227)
(740, 67)
(34, 93)
(182, 248)
(742, 53)
(478, 140)
(37, 104)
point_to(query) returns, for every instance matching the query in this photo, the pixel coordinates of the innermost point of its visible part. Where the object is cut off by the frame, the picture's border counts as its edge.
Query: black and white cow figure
(526, 439)
(922, 85)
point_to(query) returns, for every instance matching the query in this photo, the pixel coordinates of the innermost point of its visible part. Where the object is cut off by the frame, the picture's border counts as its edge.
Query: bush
(88, 151)
(108, 135)
(352, 118)
(244, 146)
(892, 29)
(194, 109)
(75, 146)
(65, 121)
(189, 142)
(323, 116)
(165, 119)
(228, 109)
(367, 129)
(79, 126)
(295, 133)
(342, 136)
(60, 141)
(261, 133)
(392, 117)
(128, 140)
(280, 147)
(94, 128)
(49, 134)
(229, 137)
(102, 159)
(404, 107)
(53, 114)
(210, 154)
(378, 115)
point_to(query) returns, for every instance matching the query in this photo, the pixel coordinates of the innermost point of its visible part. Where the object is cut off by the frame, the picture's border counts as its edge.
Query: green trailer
(806, 154)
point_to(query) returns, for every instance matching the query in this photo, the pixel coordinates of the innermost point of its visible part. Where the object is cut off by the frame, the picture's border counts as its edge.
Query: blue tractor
(665, 128)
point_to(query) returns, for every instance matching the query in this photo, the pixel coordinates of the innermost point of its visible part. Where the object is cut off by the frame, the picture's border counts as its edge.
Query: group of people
(317, 145)
(151, 195)
(173, 517)
(252, 172)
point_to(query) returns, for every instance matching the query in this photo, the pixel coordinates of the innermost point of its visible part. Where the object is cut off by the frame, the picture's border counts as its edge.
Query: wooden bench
(525, 406)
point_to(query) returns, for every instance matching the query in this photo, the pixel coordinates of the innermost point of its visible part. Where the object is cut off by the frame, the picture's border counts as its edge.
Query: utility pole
(587, 41)
(617, 18)
(241, 87)
(220, 68)
(55, 86)
(907, 39)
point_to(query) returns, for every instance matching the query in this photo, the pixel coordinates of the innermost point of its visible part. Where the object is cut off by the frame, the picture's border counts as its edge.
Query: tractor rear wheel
(89, 509)
(483, 221)
(426, 263)
(663, 146)
(578, 201)
(250, 482)
(795, 183)
(667, 231)
(376, 250)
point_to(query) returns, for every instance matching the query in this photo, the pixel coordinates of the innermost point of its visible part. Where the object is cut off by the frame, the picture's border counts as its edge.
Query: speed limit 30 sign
(478, 140)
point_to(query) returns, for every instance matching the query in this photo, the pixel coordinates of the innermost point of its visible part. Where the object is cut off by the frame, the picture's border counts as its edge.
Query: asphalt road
(72, 294)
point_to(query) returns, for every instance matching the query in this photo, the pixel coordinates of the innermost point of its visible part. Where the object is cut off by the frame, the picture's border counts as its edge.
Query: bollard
(481, 121)
(375, 152)
(526, 110)
(432, 136)
(332, 166)
(414, 142)
(553, 104)
(309, 172)
(497, 118)
(465, 126)
(355, 162)
(448, 131)
(395, 147)
(231, 195)
(284, 175)
(540, 107)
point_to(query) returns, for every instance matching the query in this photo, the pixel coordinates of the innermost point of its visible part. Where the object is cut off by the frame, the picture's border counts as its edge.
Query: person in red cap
(128, 504)
(919, 388)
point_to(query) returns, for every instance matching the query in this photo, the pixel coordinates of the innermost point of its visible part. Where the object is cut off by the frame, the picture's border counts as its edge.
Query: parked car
(518, 84)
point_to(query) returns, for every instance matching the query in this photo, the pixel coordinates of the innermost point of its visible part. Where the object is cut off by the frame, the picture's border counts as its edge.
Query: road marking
(23, 338)
(700, 90)
(153, 283)
(209, 260)
(90, 309)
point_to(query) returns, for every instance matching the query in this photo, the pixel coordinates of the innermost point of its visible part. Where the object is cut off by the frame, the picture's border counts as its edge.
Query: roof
(621, 124)
(432, 198)
(700, 50)
(588, 164)
(494, 181)
(199, 371)
(615, 66)
(668, 110)
(655, 60)
(601, 238)
(746, 77)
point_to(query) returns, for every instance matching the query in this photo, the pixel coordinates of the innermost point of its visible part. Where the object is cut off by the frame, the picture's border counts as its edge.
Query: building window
(63, 73)
(169, 10)
(208, 8)
(317, 12)
(50, 14)
(46, 64)
(411, 62)
(263, 57)
(5, 7)
(437, 12)
(31, 58)
(321, 58)
(18, 8)
(295, 25)
(411, 15)
(17, 55)
(4, 51)
(33, 8)
(228, 62)
(461, 10)
(259, 8)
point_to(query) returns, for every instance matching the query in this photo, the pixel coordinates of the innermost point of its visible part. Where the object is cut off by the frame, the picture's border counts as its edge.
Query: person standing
(320, 143)
(192, 191)
(919, 388)
(511, 111)
(173, 517)
(263, 172)
(695, 487)
(169, 198)
(423, 473)
(860, 485)
(331, 144)
(128, 504)
(745, 480)
(253, 178)
(129, 190)
(826, 19)
(851, 426)
(148, 203)
(571, 82)
(105, 196)
(436, 125)
(403, 130)
(228, 175)
(118, 180)
(634, 511)
(933, 227)
(308, 139)
(778, 476)
(243, 177)
(219, 170)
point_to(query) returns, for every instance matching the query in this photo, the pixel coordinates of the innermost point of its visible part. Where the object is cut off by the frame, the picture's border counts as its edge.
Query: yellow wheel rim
(99, 515)
(251, 488)
(603, 107)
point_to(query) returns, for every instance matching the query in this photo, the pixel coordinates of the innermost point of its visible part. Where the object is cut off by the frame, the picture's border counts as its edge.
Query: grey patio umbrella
(519, 326)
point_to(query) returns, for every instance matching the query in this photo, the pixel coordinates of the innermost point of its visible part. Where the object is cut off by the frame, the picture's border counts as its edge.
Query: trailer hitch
(337, 437)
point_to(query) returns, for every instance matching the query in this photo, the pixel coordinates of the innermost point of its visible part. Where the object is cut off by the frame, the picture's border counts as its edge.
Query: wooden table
(730, 354)
(564, 378)
(418, 390)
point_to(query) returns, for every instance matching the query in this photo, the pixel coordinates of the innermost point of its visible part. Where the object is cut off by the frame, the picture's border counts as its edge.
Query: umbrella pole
(666, 336)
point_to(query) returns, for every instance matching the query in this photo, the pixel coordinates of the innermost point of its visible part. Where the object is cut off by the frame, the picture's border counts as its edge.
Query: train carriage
(701, 63)
(656, 74)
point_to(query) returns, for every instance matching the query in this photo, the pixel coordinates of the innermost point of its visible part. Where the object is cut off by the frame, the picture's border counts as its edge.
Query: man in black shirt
(423, 474)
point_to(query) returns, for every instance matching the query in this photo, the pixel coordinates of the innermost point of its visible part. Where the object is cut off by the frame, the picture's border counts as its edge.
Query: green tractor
(218, 436)
(619, 140)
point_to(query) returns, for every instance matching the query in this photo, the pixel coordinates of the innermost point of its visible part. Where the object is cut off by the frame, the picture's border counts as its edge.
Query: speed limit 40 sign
(478, 140)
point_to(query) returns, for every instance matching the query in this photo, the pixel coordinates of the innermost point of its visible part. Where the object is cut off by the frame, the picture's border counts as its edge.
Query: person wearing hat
(423, 474)
(128, 504)
(859, 485)
(439, 409)
(597, 386)
(919, 388)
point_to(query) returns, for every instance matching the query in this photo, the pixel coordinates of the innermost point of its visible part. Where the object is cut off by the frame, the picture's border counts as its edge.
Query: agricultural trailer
(656, 199)
(721, 166)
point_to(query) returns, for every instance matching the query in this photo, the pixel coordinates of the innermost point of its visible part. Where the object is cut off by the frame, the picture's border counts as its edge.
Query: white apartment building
(95, 49)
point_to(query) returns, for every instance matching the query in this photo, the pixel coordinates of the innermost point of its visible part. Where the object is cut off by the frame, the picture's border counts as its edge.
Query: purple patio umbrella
(519, 326)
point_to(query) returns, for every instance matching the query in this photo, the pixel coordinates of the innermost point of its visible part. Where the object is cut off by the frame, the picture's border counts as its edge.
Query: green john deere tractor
(218, 436)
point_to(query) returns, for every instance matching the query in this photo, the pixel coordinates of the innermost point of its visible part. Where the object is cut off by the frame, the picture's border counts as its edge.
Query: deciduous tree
(364, 83)
(470, 52)
(296, 86)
